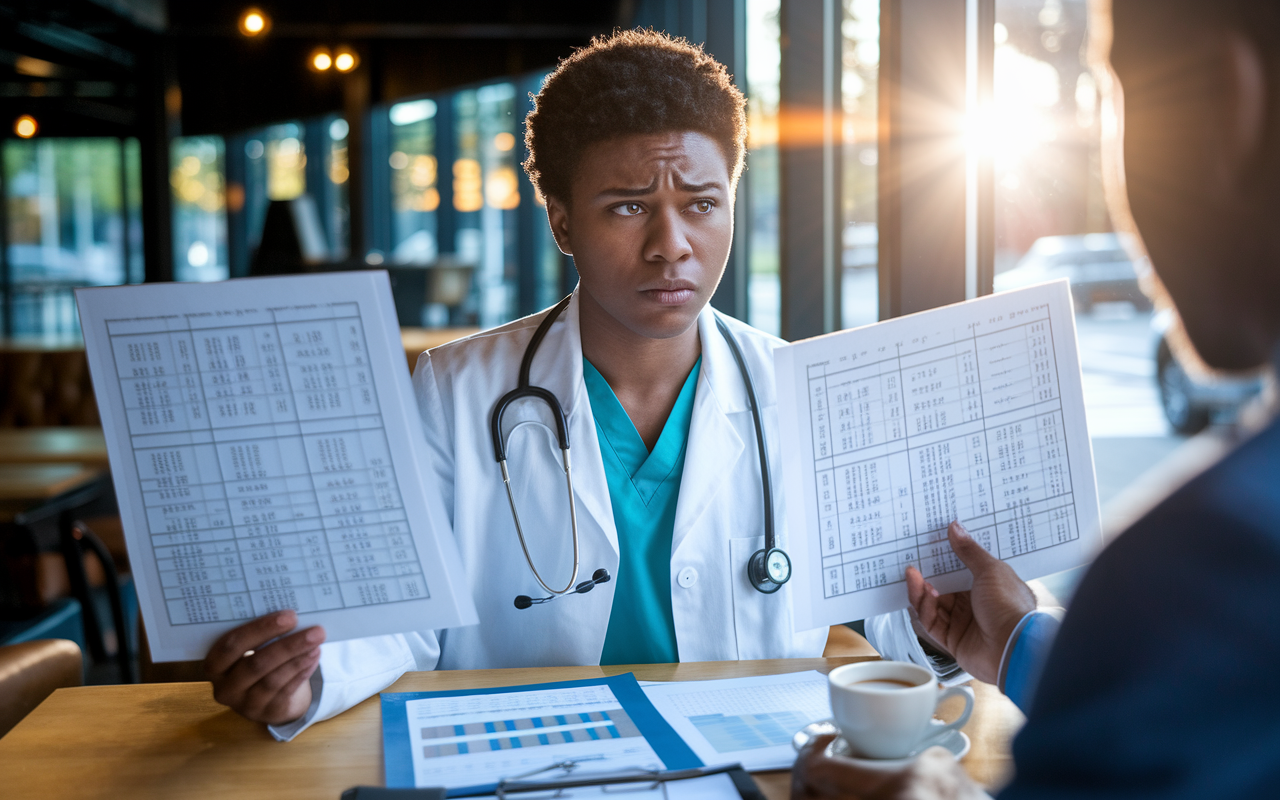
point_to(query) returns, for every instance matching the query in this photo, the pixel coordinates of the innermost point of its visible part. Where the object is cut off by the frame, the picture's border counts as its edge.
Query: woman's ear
(558, 219)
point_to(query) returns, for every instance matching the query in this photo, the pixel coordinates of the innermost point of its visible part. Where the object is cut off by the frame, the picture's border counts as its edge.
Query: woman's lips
(671, 297)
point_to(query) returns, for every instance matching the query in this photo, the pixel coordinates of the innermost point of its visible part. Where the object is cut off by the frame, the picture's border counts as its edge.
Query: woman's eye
(628, 209)
(703, 206)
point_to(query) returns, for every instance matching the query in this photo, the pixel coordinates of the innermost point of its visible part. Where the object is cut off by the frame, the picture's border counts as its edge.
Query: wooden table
(54, 445)
(173, 740)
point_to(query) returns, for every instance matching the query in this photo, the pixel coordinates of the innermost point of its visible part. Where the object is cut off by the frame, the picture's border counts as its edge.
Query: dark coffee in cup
(884, 683)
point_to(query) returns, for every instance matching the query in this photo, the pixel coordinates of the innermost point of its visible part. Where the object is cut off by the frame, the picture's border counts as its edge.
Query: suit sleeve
(355, 670)
(1160, 683)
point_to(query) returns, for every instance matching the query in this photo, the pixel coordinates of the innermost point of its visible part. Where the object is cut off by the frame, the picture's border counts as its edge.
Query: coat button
(687, 577)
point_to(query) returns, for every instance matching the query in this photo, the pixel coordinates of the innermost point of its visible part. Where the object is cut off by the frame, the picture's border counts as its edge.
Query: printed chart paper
(747, 721)
(469, 740)
(973, 411)
(262, 442)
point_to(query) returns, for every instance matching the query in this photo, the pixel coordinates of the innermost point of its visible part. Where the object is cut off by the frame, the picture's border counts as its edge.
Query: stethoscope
(767, 569)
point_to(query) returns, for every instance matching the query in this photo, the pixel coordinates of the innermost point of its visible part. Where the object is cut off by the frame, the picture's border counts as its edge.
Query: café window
(73, 221)
(199, 209)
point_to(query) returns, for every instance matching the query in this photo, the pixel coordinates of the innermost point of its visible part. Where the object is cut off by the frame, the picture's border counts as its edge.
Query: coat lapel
(714, 445)
(558, 368)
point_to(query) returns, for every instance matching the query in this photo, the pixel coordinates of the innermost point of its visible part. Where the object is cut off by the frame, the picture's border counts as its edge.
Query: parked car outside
(1097, 265)
(1190, 404)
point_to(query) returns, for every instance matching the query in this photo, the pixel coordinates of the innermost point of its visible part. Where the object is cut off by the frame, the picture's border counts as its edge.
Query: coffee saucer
(954, 741)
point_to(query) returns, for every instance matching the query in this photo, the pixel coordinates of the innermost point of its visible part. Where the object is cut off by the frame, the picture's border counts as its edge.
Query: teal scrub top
(643, 488)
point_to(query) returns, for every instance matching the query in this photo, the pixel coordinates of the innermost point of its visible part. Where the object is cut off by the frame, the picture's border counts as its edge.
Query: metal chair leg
(124, 652)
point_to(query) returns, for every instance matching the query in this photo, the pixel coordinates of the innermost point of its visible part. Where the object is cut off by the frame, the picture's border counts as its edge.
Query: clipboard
(742, 782)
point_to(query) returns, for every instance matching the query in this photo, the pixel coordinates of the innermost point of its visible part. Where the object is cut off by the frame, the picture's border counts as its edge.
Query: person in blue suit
(1159, 683)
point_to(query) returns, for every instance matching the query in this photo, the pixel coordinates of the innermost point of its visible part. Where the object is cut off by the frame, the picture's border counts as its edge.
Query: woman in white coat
(637, 145)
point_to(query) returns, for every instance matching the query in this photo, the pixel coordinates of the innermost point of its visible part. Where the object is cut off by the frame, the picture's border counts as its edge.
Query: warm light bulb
(253, 22)
(321, 61)
(345, 60)
(25, 126)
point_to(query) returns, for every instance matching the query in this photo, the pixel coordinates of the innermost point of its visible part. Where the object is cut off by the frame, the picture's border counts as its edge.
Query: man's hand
(935, 775)
(265, 682)
(974, 625)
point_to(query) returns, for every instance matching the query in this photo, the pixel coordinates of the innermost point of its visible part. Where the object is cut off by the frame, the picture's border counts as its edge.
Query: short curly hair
(631, 82)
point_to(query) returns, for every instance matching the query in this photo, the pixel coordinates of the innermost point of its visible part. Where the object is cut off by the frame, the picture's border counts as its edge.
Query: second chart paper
(973, 412)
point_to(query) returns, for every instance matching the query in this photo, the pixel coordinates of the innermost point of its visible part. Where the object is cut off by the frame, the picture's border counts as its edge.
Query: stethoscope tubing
(765, 477)
(524, 390)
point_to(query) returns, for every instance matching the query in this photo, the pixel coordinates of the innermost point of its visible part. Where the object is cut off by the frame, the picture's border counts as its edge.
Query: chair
(57, 526)
(30, 671)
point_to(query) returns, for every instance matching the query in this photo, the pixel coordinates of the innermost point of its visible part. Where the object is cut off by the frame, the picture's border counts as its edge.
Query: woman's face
(649, 226)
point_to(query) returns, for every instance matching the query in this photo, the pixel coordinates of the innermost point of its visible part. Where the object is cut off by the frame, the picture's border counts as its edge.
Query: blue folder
(398, 758)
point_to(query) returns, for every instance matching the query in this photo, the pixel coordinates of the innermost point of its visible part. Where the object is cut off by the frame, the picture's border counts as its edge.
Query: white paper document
(889, 432)
(749, 721)
(480, 739)
(266, 452)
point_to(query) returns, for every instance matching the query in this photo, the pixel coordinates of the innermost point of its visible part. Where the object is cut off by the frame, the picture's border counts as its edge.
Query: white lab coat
(718, 615)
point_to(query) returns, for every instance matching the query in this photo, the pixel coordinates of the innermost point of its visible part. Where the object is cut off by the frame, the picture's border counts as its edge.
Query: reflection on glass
(414, 190)
(486, 194)
(764, 55)
(66, 227)
(199, 213)
(275, 169)
(1044, 133)
(338, 212)
(860, 71)
(1051, 220)
(286, 167)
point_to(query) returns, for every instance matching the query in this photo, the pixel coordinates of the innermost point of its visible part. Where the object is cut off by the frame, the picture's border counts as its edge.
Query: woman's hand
(935, 775)
(973, 626)
(260, 681)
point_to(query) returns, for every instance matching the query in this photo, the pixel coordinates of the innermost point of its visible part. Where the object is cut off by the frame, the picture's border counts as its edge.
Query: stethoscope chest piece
(769, 569)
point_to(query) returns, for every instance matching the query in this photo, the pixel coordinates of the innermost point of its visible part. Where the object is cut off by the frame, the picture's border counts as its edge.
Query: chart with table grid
(265, 468)
(927, 432)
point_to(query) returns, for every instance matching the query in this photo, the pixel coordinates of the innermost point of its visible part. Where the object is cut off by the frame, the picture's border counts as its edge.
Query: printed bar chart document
(468, 740)
(748, 721)
(263, 440)
(973, 412)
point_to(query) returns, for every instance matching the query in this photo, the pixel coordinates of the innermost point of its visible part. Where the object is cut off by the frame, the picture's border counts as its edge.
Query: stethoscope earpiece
(599, 576)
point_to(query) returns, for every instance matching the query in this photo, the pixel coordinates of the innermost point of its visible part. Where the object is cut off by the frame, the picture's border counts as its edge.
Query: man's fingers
(968, 550)
(915, 587)
(233, 644)
(265, 660)
(923, 599)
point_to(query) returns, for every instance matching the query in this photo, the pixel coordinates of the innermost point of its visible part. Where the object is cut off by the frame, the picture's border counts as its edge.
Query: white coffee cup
(885, 708)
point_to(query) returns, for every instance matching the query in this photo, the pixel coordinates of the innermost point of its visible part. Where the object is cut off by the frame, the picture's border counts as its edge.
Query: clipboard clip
(655, 778)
